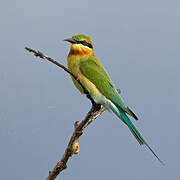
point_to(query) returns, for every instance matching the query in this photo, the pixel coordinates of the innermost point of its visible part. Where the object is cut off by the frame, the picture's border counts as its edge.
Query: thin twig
(73, 145)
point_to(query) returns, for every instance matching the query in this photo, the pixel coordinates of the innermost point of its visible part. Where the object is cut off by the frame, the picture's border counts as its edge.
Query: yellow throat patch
(79, 49)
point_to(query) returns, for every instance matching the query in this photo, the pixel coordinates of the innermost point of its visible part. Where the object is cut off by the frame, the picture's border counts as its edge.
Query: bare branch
(73, 145)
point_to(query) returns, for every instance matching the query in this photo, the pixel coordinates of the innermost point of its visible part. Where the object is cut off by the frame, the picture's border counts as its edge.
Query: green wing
(94, 71)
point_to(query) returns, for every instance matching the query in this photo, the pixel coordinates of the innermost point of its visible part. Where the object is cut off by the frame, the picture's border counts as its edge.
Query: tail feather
(137, 138)
(121, 114)
(142, 141)
(132, 114)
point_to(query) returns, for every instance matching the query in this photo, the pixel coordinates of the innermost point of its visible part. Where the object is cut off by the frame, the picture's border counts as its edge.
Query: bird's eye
(83, 42)
(86, 44)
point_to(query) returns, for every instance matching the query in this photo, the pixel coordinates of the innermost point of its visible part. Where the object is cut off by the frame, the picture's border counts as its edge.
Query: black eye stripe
(89, 45)
(85, 44)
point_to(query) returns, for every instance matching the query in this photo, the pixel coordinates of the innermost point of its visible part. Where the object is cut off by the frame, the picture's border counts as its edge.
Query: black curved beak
(71, 40)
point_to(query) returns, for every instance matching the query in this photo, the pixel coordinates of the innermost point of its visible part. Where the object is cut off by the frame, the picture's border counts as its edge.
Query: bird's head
(80, 45)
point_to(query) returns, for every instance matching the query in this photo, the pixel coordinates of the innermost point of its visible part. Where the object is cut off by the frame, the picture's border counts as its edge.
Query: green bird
(84, 64)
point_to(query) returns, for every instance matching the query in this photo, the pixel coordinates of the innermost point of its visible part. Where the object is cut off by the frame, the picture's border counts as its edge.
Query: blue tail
(121, 114)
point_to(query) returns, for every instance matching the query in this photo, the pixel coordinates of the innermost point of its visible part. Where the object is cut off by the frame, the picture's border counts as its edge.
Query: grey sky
(139, 44)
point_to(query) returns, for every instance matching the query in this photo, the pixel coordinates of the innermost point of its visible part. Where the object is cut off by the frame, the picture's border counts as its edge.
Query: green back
(94, 71)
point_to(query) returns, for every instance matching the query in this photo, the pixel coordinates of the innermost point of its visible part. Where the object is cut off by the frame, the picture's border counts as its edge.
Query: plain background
(138, 42)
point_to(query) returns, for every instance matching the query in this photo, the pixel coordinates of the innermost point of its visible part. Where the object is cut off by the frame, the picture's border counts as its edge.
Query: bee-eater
(83, 63)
